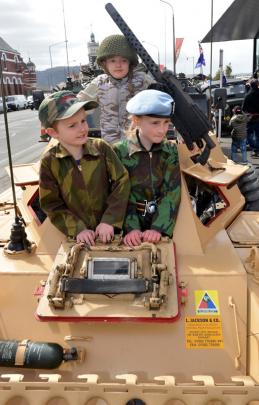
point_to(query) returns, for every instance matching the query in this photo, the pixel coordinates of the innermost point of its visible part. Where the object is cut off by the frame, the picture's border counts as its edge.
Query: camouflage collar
(119, 82)
(134, 146)
(88, 149)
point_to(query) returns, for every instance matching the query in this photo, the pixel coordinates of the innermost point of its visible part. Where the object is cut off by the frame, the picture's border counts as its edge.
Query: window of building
(8, 85)
(17, 64)
(4, 64)
(16, 87)
(20, 86)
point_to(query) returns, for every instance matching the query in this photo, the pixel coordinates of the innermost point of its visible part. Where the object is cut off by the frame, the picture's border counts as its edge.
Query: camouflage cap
(61, 105)
(116, 45)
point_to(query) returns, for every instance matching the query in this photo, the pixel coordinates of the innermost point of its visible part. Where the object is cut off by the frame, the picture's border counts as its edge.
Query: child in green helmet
(112, 90)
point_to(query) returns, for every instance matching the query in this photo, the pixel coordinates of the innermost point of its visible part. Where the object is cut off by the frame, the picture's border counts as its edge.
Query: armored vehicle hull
(173, 323)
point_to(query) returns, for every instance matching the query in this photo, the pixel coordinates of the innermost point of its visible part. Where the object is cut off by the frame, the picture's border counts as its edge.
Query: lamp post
(66, 41)
(220, 85)
(158, 54)
(50, 58)
(192, 58)
(173, 29)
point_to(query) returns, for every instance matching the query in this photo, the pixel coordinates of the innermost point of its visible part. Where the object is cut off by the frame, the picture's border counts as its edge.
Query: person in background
(153, 167)
(256, 74)
(121, 81)
(251, 107)
(84, 188)
(238, 123)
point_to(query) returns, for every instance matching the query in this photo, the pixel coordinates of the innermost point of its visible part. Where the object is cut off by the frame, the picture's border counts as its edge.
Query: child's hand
(86, 236)
(105, 232)
(133, 238)
(151, 236)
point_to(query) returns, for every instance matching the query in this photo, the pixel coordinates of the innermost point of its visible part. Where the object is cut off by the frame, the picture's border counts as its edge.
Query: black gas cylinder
(27, 354)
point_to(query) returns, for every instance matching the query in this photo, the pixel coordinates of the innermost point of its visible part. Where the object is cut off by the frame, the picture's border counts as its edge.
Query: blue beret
(151, 102)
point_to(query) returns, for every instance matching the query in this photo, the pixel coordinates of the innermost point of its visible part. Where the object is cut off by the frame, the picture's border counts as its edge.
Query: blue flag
(201, 60)
(224, 81)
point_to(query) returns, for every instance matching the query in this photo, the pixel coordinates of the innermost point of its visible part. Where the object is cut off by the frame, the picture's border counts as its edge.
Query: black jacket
(251, 102)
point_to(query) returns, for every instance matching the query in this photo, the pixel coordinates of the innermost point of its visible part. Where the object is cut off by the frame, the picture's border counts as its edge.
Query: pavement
(225, 144)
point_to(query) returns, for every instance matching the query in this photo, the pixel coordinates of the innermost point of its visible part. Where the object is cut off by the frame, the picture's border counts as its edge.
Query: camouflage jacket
(79, 197)
(238, 124)
(113, 95)
(154, 175)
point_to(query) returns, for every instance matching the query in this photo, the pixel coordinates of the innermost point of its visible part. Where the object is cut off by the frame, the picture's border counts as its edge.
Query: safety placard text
(203, 332)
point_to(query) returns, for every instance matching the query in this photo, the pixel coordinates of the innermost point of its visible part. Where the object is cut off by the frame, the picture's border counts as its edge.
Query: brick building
(92, 47)
(18, 77)
(29, 77)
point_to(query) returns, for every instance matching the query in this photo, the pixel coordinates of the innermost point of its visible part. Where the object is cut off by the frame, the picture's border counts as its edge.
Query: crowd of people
(129, 180)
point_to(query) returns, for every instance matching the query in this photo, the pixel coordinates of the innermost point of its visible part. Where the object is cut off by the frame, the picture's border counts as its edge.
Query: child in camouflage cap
(153, 166)
(121, 81)
(84, 188)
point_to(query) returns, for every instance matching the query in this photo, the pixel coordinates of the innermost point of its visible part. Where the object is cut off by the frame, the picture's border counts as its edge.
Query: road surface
(24, 130)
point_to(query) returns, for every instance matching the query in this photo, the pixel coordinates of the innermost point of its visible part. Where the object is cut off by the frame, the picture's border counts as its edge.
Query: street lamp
(66, 41)
(174, 61)
(192, 58)
(158, 55)
(50, 57)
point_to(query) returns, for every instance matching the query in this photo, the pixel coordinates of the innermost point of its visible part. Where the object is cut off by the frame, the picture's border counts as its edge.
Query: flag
(201, 60)
(178, 45)
(224, 81)
(161, 67)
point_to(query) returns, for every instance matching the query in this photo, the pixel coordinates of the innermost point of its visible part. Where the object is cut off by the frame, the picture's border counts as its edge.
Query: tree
(228, 70)
(217, 75)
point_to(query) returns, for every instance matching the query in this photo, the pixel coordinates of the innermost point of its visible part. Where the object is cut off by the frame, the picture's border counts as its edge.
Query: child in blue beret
(153, 166)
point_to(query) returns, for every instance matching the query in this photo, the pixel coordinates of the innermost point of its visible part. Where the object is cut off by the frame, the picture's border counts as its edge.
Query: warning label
(206, 302)
(203, 332)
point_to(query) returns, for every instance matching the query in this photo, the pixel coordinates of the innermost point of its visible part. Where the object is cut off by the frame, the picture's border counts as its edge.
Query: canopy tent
(240, 21)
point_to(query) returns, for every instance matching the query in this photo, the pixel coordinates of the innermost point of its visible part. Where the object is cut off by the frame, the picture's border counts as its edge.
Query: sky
(36, 27)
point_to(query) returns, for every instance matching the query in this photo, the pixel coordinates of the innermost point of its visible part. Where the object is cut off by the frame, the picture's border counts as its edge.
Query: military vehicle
(173, 323)
(235, 94)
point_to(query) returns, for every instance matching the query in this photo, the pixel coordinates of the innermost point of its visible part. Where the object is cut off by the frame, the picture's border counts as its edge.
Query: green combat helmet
(116, 45)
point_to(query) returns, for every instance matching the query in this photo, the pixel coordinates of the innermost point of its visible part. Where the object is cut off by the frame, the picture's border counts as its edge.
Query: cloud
(34, 26)
(25, 28)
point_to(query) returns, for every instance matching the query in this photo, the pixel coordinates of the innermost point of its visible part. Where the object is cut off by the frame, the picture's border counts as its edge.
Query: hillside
(50, 77)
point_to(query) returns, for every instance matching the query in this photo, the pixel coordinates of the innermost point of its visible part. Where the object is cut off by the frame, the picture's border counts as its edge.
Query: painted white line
(11, 134)
(21, 153)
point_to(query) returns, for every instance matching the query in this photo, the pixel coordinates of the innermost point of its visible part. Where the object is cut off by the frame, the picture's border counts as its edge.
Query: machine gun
(188, 119)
